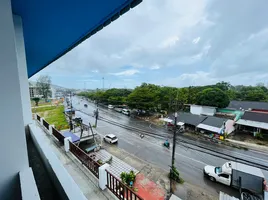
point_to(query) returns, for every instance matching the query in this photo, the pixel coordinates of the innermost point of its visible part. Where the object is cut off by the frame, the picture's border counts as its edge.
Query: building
(25, 50)
(212, 125)
(202, 110)
(35, 92)
(253, 122)
(254, 106)
(188, 120)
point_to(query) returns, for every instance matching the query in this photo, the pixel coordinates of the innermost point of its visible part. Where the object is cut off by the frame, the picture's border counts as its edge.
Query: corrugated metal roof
(255, 116)
(214, 121)
(246, 105)
(189, 118)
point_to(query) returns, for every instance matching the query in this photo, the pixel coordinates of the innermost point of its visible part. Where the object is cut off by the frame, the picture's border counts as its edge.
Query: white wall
(196, 110)
(208, 111)
(13, 151)
(202, 110)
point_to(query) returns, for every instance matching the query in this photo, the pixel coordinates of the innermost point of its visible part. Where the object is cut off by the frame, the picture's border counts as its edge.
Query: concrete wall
(62, 180)
(13, 151)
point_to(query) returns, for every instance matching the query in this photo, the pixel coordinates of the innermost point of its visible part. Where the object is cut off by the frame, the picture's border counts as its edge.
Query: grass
(53, 115)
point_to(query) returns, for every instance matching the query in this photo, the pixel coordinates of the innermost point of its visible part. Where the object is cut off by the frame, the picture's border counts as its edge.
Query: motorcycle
(166, 145)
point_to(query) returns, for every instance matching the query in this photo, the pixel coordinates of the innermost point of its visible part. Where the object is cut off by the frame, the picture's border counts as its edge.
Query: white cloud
(204, 40)
(155, 67)
(129, 72)
(169, 42)
(196, 40)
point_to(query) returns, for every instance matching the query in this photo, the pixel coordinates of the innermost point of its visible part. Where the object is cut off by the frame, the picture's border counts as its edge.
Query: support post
(103, 176)
(51, 129)
(67, 144)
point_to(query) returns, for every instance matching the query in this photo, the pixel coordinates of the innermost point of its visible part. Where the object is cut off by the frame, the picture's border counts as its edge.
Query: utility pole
(96, 115)
(103, 83)
(71, 113)
(173, 152)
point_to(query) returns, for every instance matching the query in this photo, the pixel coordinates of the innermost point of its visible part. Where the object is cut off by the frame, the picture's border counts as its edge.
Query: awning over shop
(209, 128)
(255, 124)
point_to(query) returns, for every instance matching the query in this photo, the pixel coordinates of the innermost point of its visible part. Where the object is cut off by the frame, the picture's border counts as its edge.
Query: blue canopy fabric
(73, 136)
(52, 28)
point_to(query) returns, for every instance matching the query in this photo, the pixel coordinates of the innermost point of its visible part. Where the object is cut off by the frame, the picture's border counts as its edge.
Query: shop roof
(214, 121)
(189, 118)
(255, 116)
(246, 105)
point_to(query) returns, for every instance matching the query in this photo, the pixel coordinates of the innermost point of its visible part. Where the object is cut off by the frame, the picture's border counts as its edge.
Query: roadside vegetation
(53, 115)
(152, 97)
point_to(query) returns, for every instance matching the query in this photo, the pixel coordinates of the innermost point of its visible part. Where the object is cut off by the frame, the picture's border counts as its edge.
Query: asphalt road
(189, 162)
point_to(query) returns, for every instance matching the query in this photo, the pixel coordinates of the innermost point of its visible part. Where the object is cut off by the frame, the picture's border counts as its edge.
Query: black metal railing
(58, 135)
(38, 118)
(46, 124)
(119, 189)
(92, 165)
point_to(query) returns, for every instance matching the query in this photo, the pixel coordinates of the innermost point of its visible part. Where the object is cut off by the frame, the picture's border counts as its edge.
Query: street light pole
(173, 152)
(96, 116)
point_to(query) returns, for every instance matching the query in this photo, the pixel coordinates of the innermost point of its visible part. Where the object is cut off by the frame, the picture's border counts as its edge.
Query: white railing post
(41, 121)
(103, 176)
(50, 129)
(67, 144)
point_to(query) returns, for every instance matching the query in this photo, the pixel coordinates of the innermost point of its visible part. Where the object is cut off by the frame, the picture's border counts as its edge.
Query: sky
(172, 43)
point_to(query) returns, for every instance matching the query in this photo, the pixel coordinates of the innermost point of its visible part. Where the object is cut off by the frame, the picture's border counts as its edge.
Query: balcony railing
(38, 118)
(92, 165)
(119, 189)
(58, 135)
(46, 124)
(115, 185)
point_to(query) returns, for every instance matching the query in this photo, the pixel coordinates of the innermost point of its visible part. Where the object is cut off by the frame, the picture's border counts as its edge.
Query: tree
(43, 85)
(213, 97)
(224, 86)
(36, 100)
(144, 97)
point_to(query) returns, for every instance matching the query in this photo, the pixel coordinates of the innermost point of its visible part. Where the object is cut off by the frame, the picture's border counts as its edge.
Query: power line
(209, 151)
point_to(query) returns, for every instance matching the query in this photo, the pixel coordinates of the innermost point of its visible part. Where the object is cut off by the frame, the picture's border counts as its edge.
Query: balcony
(61, 167)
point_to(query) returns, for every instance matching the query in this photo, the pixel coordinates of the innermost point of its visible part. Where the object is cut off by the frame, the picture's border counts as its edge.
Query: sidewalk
(150, 173)
(249, 145)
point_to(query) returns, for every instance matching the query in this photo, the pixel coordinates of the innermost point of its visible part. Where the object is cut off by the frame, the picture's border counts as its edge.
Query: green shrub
(128, 177)
(259, 135)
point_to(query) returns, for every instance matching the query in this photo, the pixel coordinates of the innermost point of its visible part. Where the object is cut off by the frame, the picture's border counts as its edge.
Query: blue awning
(52, 28)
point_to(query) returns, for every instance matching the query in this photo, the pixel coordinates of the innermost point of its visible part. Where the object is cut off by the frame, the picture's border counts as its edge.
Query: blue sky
(174, 43)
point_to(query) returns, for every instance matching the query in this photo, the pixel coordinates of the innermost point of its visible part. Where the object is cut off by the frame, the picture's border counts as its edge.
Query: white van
(125, 111)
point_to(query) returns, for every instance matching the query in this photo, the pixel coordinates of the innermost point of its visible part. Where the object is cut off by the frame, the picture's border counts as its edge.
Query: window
(224, 175)
(218, 170)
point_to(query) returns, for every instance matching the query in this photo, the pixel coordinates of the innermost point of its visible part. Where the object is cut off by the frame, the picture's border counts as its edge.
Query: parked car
(85, 105)
(125, 112)
(111, 138)
(110, 106)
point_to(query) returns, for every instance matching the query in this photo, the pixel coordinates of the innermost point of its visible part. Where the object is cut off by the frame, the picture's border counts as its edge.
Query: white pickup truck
(247, 178)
